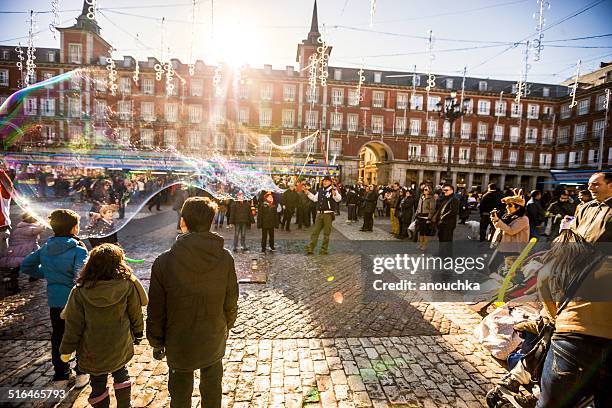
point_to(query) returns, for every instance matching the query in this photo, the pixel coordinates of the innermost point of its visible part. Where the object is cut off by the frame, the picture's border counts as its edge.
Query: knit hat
(517, 198)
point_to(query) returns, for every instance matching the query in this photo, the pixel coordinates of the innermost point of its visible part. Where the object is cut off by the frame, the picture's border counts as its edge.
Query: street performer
(325, 214)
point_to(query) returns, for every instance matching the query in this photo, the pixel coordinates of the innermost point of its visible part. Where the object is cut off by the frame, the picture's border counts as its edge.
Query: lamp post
(451, 110)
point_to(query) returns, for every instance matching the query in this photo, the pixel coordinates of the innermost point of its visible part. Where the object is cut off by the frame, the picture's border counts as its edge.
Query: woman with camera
(511, 230)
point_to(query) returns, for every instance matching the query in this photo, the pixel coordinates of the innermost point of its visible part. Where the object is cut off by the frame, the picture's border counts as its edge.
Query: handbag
(412, 226)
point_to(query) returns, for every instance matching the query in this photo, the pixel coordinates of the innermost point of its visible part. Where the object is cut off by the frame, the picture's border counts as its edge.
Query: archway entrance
(374, 163)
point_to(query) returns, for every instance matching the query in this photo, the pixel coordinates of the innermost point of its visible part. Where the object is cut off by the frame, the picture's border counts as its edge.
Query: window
(560, 160)
(579, 132)
(353, 122)
(312, 95)
(173, 88)
(500, 108)
(147, 137)
(240, 143)
(445, 154)
(514, 134)
(288, 93)
(416, 102)
(517, 110)
(312, 119)
(196, 87)
(600, 103)
(243, 91)
(432, 103)
(46, 75)
(498, 133)
(47, 106)
(483, 131)
(583, 106)
(337, 96)
(218, 114)
(400, 126)
(432, 128)
(545, 160)
(337, 75)
(125, 85)
(482, 86)
(171, 112)
(563, 134)
(75, 83)
(514, 88)
(414, 151)
(377, 124)
(124, 108)
(74, 108)
(243, 116)
(265, 117)
(531, 135)
(415, 127)
(464, 155)
(484, 107)
(265, 92)
(286, 140)
(100, 83)
(264, 144)
(566, 111)
(195, 113)
(4, 77)
(147, 111)
(402, 101)
(449, 83)
(466, 130)
(335, 146)
(124, 136)
(194, 138)
(432, 153)
(48, 133)
(469, 106)
(100, 109)
(336, 121)
(547, 135)
(481, 155)
(416, 80)
(497, 157)
(170, 138)
(528, 159)
(30, 106)
(545, 92)
(377, 77)
(533, 111)
(74, 53)
(288, 118)
(75, 132)
(512, 158)
(598, 129)
(51, 56)
(378, 99)
(5, 54)
(219, 140)
(353, 97)
(593, 157)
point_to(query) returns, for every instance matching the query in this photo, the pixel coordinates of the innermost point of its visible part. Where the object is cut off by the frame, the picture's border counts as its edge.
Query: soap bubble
(68, 143)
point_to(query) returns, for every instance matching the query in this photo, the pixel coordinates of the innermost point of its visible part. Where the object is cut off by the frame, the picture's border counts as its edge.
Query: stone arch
(375, 157)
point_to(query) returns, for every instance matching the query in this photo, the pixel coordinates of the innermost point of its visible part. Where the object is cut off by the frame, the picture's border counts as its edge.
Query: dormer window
(377, 77)
(337, 75)
(482, 86)
(449, 83)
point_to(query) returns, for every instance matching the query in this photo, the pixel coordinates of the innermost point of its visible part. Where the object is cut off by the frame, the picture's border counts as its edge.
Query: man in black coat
(193, 303)
(369, 206)
(445, 219)
(267, 220)
(290, 202)
(490, 200)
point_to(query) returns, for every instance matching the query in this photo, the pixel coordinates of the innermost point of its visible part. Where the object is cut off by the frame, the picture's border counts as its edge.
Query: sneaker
(81, 381)
(272, 249)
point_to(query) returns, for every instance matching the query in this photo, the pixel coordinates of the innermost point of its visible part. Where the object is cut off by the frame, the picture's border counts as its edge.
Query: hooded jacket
(59, 261)
(101, 322)
(193, 301)
(23, 241)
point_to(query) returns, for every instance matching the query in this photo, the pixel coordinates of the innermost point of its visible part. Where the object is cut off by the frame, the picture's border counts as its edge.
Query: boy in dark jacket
(193, 303)
(59, 261)
(267, 221)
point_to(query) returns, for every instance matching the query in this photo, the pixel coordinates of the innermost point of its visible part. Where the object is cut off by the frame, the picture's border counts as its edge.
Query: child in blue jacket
(59, 261)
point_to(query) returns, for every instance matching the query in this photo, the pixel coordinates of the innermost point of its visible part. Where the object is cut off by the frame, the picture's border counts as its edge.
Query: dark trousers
(155, 202)
(180, 386)
(121, 380)
(576, 366)
(313, 213)
(301, 218)
(267, 234)
(485, 221)
(445, 237)
(57, 332)
(287, 216)
(368, 221)
(352, 212)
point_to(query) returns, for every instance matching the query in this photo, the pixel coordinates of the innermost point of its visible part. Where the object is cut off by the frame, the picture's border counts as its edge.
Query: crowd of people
(95, 300)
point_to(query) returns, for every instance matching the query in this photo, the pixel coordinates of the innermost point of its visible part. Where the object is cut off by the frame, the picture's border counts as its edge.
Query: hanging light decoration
(574, 87)
(30, 54)
(91, 10)
(112, 73)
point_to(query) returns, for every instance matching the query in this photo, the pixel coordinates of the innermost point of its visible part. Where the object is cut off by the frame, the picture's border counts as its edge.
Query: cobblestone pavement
(307, 337)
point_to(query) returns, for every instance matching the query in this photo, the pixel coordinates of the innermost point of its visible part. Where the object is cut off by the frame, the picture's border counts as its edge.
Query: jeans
(219, 219)
(57, 332)
(240, 232)
(267, 233)
(180, 386)
(576, 366)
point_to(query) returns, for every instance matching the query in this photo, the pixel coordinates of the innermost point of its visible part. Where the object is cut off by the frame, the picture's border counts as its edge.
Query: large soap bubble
(68, 143)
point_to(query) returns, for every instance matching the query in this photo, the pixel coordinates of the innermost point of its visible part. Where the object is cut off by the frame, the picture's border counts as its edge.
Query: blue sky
(267, 31)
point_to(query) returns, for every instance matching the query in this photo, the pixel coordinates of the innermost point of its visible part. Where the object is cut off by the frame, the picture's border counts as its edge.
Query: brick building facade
(391, 133)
